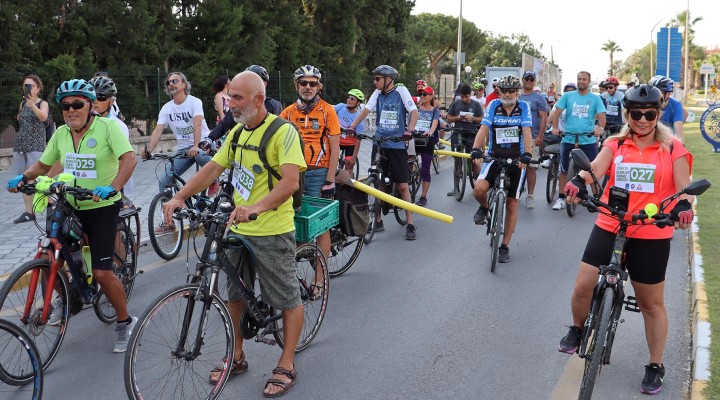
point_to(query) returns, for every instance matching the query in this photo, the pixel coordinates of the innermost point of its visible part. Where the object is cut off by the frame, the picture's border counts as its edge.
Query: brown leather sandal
(237, 368)
(284, 385)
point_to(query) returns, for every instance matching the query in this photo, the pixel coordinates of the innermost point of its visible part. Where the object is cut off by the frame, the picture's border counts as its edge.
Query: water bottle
(87, 267)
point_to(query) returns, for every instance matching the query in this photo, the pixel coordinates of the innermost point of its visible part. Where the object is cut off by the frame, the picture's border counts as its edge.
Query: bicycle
(20, 362)
(188, 329)
(573, 170)
(436, 159)
(609, 293)
(41, 286)
(345, 157)
(552, 152)
(166, 239)
(463, 168)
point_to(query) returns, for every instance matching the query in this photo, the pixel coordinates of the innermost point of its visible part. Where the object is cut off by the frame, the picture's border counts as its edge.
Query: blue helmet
(75, 87)
(663, 83)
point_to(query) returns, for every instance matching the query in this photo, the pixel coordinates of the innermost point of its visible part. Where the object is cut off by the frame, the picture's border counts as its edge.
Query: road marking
(568, 386)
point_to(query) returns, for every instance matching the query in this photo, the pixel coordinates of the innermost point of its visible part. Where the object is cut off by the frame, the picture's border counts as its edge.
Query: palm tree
(611, 47)
(679, 22)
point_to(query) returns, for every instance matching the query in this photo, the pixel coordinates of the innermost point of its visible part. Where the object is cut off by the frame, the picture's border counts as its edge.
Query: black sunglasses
(529, 79)
(75, 105)
(311, 83)
(377, 78)
(609, 87)
(102, 97)
(424, 94)
(171, 82)
(636, 115)
(511, 91)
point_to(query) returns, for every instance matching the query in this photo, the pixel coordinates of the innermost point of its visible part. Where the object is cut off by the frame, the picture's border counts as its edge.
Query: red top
(491, 97)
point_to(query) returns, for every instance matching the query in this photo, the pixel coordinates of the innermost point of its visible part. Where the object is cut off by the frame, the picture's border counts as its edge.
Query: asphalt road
(426, 320)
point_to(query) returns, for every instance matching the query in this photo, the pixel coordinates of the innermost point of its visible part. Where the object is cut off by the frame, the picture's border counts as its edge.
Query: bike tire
(459, 174)
(593, 361)
(497, 221)
(374, 205)
(13, 299)
(551, 186)
(152, 359)
(400, 213)
(357, 169)
(307, 258)
(124, 268)
(166, 245)
(572, 171)
(14, 343)
(436, 163)
(344, 251)
(469, 173)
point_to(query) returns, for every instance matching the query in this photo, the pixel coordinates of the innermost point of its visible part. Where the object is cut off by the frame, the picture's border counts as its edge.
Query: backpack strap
(234, 140)
(269, 132)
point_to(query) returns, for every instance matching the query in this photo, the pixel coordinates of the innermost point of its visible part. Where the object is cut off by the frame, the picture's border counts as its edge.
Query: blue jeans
(590, 150)
(182, 165)
(314, 181)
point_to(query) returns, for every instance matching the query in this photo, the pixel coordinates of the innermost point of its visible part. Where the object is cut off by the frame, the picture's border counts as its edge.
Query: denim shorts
(314, 181)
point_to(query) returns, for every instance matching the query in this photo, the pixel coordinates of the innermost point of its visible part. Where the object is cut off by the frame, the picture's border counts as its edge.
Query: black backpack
(275, 125)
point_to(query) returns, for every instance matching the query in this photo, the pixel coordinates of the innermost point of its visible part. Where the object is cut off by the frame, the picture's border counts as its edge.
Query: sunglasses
(171, 82)
(529, 79)
(636, 115)
(102, 97)
(311, 83)
(511, 91)
(424, 94)
(75, 105)
(378, 78)
(609, 87)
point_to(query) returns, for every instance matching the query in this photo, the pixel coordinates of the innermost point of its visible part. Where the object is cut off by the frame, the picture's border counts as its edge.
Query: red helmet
(612, 81)
(421, 82)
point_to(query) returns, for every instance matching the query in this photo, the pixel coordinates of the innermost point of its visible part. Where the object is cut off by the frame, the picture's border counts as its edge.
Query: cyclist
(346, 113)
(184, 115)
(584, 108)
(539, 113)
(115, 109)
(643, 143)
(272, 234)
(508, 122)
(673, 114)
(613, 104)
(392, 104)
(420, 84)
(317, 122)
(97, 153)
(479, 96)
(427, 124)
(467, 115)
(495, 94)
(602, 88)
(551, 93)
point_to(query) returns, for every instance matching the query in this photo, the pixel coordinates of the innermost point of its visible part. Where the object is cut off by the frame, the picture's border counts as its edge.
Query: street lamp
(651, 46)
(468, 70)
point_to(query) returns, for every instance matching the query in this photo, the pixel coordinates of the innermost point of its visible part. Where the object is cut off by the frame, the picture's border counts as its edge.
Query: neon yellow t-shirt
(283, 148)
(94, 162)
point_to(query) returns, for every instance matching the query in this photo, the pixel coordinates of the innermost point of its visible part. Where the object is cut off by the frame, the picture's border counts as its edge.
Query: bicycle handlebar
(660, 219)
(379, 140)
(59, 188)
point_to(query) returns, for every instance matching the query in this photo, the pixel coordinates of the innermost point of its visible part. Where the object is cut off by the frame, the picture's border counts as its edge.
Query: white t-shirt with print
(179, 117)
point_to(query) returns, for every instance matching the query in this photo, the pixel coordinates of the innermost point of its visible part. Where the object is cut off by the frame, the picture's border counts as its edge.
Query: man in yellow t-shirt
(272, 235)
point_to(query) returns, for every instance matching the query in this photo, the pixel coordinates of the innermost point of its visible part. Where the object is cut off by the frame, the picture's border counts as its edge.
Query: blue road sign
(669, 39)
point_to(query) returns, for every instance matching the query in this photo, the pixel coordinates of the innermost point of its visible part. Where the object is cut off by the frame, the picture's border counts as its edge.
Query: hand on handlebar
(169, 208)
(476, 154)
(242, 214)
(407, 135)
(350, 132)
(682, 214)
(576, 190)
(14, 183)
(205, 144)
(193, 151)
(525, 159)
(328, 190)
(103, 192)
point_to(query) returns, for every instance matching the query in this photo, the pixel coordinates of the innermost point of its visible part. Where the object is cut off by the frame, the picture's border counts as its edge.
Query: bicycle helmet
(509, 82)
(104, 85)
(570, 85)
(602, 85)
(643, 96)
(386, 70)
(665, 84)
(357, 93)
(478, 86)
(612, 81)
(307, 70)
(75, 87)
(260, 70)
(421, 82)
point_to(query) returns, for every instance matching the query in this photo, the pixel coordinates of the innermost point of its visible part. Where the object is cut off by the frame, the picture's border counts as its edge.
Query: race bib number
(185, 133)
(423, 125)
(612, 110)
(581, 110)
(243, 181)
(389, 119)
(81, 165)
(635, 177)
(507, 135)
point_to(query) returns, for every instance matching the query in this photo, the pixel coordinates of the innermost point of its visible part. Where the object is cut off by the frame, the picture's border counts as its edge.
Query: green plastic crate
(316, 216)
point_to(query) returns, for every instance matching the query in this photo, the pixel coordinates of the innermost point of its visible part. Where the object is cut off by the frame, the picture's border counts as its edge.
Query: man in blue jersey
(509, 124)
(583, 109)
(392, 104)
(613, 99)
(673, 114)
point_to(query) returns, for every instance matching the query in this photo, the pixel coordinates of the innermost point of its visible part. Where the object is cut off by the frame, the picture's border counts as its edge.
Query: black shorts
(100, 226)
(490, 171)
(347, 151)
(646, 259)
(397, 161)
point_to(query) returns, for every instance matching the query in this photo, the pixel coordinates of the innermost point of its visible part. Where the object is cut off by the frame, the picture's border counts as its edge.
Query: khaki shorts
(22, 160)
(275, 267)
(535, 156)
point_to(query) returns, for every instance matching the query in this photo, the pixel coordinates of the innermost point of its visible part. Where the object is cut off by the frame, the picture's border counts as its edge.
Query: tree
(611, 47)
(694, 54)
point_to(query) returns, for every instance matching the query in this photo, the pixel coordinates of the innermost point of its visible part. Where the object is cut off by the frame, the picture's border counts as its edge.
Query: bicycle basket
(422, 141)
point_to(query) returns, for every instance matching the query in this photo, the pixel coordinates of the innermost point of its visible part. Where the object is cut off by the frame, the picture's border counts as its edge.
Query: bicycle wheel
(572, 171)
(357, 170)
(14, 299)
(459, 178)
(414, 185)
(593, 357)
(496, 227)
(711, 98)
(436, 163)
(124, 265)
(344, 251)
(469, 172)
(161, 361)
(17, 351)
(310, 261)
(165, 239)
(374, 205)
(400, 213)
(551, 187)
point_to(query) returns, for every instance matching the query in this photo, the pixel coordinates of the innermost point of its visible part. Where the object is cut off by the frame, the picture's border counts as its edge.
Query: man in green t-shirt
(272, 235)
(99, 155)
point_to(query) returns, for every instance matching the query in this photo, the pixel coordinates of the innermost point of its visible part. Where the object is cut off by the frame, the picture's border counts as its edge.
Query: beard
(246, 114)
(508, 103)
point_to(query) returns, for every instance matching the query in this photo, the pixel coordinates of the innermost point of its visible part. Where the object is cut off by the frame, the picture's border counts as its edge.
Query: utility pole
(687, 51)
(459, 47)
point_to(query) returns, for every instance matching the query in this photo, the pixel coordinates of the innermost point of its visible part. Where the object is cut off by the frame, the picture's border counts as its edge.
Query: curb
(700, 323)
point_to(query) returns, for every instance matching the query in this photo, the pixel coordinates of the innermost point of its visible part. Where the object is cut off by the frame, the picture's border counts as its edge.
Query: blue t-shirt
(580, 115)
(506, 138)
(537, 103)
(425, 120)
(672, 113)
(346, 118)
(613, 108)
(391, 111)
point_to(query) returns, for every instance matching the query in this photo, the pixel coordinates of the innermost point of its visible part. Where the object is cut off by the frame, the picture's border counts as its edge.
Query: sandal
(284, 385)
(237, 368)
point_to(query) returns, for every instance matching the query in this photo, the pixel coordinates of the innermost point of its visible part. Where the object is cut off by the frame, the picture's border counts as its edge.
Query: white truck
(498, 72)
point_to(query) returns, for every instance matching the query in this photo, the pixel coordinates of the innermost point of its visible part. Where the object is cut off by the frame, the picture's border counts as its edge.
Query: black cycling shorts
(646, 259)
(397, 161)
(100, 226)
(490, 172)
(347, 151)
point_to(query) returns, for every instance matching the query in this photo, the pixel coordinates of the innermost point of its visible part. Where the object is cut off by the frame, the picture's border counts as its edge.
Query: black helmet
(260, 70)
(643, 96)
(386, 70)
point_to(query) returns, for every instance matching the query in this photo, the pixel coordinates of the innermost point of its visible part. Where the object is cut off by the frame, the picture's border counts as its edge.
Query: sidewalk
(18, 243)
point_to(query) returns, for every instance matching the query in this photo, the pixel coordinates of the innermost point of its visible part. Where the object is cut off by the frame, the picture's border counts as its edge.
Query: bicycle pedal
(631, 304)
(263, 339)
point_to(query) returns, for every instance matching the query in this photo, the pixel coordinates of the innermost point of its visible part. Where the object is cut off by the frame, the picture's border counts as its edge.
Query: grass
(705, 165)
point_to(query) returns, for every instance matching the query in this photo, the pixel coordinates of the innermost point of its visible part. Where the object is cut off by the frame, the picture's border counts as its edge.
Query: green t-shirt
(250, 180)
(95, 161)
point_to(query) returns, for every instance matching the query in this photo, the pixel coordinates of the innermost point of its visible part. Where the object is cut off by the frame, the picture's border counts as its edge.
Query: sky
(576, 30)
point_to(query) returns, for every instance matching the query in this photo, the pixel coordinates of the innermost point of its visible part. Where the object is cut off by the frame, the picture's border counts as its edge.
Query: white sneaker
(529, 201)
(559, 204)
(56, 314)
(124, 330)
(546, 163)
